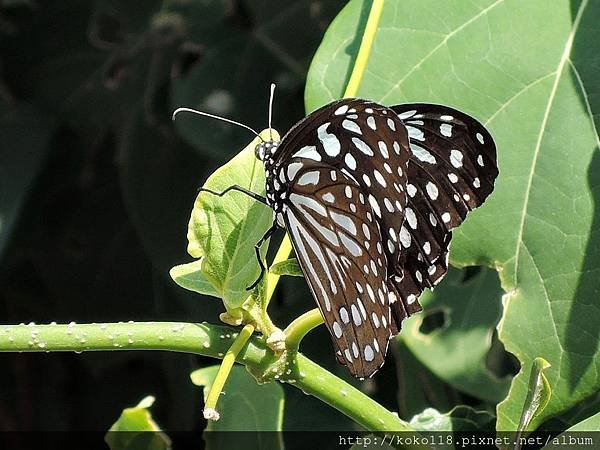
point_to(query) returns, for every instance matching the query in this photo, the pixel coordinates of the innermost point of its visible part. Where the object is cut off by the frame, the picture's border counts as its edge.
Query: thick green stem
(301, 326)
(203, 339)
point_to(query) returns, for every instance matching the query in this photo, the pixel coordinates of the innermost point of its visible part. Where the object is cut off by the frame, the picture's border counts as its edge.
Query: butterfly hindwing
(451, 171)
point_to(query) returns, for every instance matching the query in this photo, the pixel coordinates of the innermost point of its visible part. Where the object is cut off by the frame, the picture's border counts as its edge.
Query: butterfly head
(265, 150)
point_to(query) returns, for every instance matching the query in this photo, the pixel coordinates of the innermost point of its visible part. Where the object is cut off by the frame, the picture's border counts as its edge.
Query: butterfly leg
(257, 247)
(238, 188)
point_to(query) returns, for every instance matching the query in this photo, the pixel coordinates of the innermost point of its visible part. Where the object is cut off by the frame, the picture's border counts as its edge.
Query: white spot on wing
(328, 197)
(309, 178)
(337, 330)
(343, 221)
(350, 161)
(407, 114)
(330, 142)
(369, 355)
(405, 238)
(308, 152)
(446, 129)
(411, 218)
(371, 123)
(362, 146)
(374, 205)
(293, 169)
(344, 315)
(456, 158)
(383, 149)
(415, 133)
(351, 126)
(379, 178)
(351, 245)
(432, 190)
(355, 315)
(421, 154)
(341, 110)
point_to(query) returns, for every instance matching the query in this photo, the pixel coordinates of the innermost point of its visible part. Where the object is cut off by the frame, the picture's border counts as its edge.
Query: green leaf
(223, 230)
(189, 276)
(538, 393)
(457, 350)
(529, 73)
(135, 429)
(244, 405)
(570, 437)
(460, 418)
(288, 267)
(590, 424)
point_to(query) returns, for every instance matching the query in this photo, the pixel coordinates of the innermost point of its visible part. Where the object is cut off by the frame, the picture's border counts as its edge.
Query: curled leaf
(223, 230)
(538, 393)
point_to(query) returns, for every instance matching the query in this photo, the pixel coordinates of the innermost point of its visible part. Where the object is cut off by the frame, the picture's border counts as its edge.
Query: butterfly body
(368, 195)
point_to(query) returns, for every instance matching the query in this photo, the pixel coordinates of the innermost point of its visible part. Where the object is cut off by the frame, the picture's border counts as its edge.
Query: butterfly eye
(259, 151)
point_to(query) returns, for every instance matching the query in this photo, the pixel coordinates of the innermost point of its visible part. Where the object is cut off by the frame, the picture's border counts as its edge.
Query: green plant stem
(301, 326)
(202, 339)
(225, 368)
(315, 380)
(365, 49)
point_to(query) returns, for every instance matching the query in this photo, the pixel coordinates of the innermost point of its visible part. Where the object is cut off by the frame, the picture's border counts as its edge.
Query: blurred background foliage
(96, 187)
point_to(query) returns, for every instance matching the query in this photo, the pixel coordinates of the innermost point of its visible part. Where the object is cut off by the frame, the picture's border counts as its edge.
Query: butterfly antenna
(271, 110)
(212, 116)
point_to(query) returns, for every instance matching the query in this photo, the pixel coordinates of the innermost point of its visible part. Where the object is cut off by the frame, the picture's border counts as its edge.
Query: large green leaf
(244, 405)
(223, 229)
(528, 70)
(457, 351)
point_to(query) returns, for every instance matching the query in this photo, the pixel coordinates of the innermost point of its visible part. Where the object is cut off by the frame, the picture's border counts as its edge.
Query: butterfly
(369, 195)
